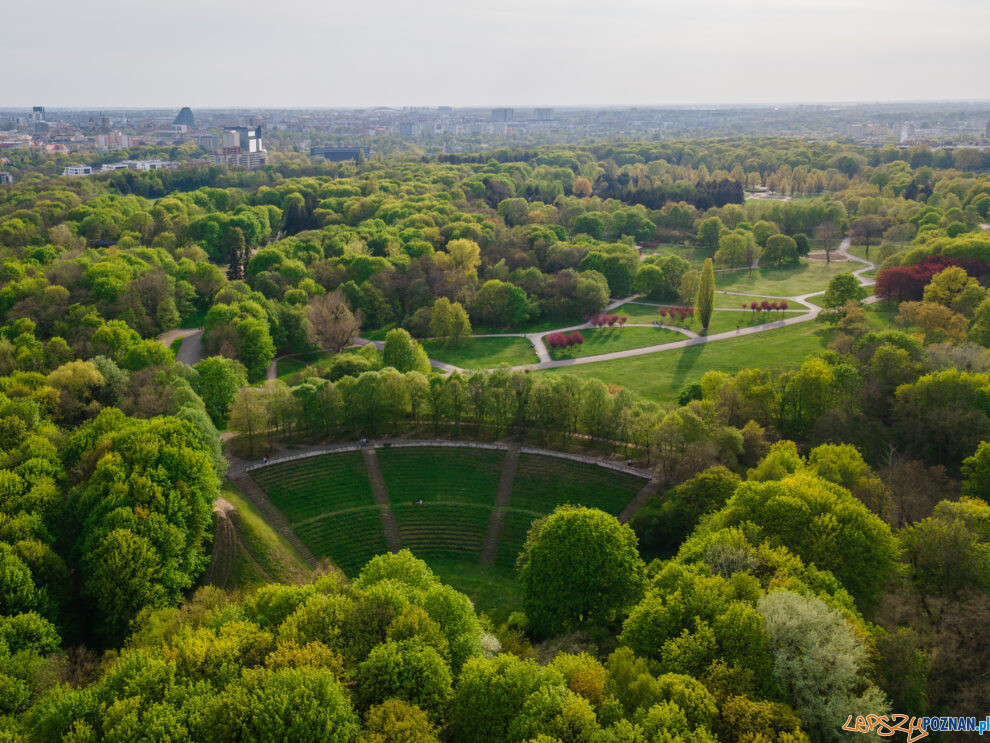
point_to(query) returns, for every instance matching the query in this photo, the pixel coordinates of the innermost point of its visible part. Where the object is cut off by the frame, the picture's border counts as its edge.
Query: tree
(828, 234)
(254, 346)
(217, 382)
(955, 289)
(733, 248)
(581, 187)
(843, 288)
(937, 322)
(403, 353)
(237, 253)
(780, 249)
(560, 593)
(405, 670)
(866, 230)
(449, 322)
(706, 293)
(287, 704)
(501, 304)
(395, 721)
(819, 662)
(709, 232)
(332, 325)
(820, 522)
(949, 552)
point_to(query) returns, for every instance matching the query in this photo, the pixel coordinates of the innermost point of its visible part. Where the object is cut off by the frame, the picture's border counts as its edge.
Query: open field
(542, 483)
(788, 281)
(661, 376)
(483, 353)
(349, 538)
(606, 340)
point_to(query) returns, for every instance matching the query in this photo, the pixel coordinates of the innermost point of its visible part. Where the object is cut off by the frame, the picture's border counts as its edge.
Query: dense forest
(819, 546)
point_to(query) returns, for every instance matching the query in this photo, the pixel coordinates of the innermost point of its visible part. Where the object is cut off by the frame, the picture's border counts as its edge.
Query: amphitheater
(454, 504)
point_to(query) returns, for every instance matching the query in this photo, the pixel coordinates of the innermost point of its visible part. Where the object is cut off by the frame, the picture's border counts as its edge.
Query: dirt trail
(493, 534)
(224, 546)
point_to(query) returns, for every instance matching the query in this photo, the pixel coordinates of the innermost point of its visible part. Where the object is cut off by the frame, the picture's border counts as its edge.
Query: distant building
(73, 170)
(408, 129)
(240, 147)
(544, 114)
(207, 141)
(339, 154)
(907, 132)
(185, 118)
(139, 165)
(113, 141)
(503, 114)
(5, 178)
(38, 113)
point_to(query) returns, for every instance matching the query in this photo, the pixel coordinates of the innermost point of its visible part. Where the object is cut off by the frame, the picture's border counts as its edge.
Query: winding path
(191, 350)
(693, 339)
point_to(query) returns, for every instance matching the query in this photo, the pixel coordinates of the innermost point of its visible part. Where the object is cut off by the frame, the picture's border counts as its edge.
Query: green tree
(405, 670)
(287, 704)
(561, 593)
(709, 232)
(819, 662)
(449, 322)
(403, 353)
(706, 293)
(217, 382)
(843, 288)
(780, 249)
(395, 721)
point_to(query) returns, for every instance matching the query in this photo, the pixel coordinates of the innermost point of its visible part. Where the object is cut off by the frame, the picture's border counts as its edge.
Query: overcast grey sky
(514, 52)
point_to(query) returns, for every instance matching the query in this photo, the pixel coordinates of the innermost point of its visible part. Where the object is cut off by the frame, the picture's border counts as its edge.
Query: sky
(329, 53)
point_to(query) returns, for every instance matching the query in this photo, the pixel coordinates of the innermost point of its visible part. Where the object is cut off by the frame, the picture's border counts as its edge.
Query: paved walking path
(493, 534)
(191, 350)
(545, 361)
(389, 525)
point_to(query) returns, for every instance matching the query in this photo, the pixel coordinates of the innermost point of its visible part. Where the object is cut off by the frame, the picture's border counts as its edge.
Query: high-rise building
(502, 114)
(240, 146)
(544, 114)
(38, 113)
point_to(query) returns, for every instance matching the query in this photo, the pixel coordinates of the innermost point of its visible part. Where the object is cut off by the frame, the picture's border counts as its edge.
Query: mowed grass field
(661, 376)
(483, 353)
(787, 281)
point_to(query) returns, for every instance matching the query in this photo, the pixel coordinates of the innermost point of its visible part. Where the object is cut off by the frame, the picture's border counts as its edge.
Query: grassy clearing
(787, 281)
(285, 368)
(661, 376)
(533, 326)
(260, 545)
(607, 340)
(176, 345)
(494, 591)
(483, 353)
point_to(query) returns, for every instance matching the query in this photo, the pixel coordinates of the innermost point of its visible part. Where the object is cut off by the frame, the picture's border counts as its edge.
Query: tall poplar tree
(706, 293)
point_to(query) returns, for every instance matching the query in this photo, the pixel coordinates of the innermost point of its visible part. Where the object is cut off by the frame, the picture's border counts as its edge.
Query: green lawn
(787, 281)
(483, 353)
(305, 488)
(285, 368)
(663, 375)
(260, 546)
(606, 340)
(692, 254)
(441, 474)
(176, 345)
(533, 326)
(721, 321)
(723, 300)
(494, 591)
